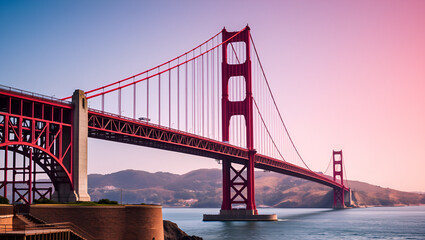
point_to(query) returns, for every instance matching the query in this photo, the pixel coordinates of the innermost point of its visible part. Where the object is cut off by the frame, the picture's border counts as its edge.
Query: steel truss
(119, 129)
(276, 165)
(35, 141)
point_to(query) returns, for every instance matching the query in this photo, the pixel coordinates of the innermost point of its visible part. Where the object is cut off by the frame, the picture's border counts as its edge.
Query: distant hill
(202, 188)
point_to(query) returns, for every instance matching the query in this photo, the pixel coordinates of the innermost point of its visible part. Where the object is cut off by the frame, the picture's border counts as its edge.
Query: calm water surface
(357, 223)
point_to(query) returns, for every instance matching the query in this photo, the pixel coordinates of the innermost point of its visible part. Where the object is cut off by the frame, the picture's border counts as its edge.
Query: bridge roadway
(111, 127)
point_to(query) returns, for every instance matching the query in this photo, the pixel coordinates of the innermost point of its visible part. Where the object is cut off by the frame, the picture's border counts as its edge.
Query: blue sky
(350, 75)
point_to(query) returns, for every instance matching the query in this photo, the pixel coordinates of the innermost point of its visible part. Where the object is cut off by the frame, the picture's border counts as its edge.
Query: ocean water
(307, 223)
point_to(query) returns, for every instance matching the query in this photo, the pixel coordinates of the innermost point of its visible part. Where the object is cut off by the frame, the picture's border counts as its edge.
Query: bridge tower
(234, 187)
(238, 184)
(339, 178)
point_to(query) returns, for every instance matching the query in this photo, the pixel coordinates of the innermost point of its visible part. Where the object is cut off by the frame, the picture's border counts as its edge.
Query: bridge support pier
(80, 139)
(342, 198)
(338, 198)
(348, 198)
(64, 193)
(338, 172)
(235, 184)
(239, 215)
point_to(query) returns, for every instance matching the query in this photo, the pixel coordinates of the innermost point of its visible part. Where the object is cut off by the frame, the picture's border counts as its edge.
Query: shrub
(106, 201)
(45, 201)
(81, 203)
(4, 200)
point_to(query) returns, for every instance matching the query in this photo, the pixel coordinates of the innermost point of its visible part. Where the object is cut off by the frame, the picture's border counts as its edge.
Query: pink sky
(350, 75)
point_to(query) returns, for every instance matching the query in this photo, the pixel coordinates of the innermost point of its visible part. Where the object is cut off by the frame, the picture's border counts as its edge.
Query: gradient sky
(350, 74)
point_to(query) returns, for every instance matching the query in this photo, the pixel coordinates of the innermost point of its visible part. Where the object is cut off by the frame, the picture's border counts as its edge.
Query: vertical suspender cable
(186, 93)
(193, 94)
(178, 94)
(169, 96)
(202, 95)
(208, 95)
(212, 94)
(147, 96)
(218, 92)
(274, 102)
(242, 91)
(134, 100)
(119, 101)
(345, 174)
(103, 100)
(159, 98)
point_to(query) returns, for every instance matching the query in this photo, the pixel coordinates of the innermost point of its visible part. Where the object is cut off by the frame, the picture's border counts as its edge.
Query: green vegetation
(107, 201)
(101, 202)
(4, 200)
(45, 201)
(78, 203)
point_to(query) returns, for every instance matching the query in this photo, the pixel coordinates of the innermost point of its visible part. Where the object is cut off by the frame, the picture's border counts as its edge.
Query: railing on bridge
(4, 88)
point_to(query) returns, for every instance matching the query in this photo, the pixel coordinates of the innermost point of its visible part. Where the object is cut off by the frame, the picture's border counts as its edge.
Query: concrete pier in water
(239, 215)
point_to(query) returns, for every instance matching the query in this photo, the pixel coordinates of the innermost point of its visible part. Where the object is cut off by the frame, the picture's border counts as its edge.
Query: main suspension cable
(261, 117)
(274, 102)
(329, 164)
(157, 67)
(345, 174)
(268, 132)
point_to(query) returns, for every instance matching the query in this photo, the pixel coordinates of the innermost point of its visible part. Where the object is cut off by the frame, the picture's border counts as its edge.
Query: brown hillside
(202, 188)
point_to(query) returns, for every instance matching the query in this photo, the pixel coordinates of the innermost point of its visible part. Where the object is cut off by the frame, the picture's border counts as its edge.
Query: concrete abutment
(79, 141)
(63, 191)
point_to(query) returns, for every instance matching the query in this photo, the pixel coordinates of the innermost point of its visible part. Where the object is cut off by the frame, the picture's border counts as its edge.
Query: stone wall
(6, 223)
(6, 217)
(107, 222)
(6, 209)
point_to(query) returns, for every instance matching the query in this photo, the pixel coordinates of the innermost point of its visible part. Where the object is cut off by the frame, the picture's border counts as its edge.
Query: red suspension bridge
(213, 101)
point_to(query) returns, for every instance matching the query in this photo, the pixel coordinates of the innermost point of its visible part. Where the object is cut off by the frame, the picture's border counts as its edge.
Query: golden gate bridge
(213, 101)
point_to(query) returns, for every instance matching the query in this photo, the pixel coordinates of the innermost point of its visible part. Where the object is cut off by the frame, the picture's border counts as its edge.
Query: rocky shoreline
(173, 232)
